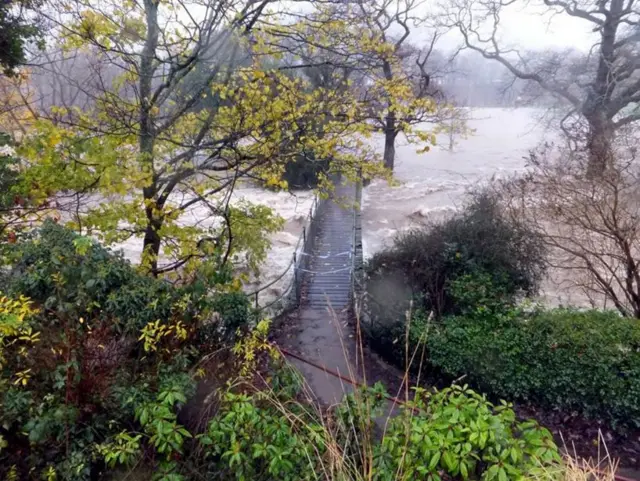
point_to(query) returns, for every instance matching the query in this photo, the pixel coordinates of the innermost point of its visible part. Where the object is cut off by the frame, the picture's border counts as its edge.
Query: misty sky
(531, 26)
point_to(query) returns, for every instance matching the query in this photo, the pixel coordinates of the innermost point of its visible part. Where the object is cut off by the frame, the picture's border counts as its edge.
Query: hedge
(586, 362)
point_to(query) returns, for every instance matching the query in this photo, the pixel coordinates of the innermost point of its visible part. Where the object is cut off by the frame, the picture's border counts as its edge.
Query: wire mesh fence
(290, 294)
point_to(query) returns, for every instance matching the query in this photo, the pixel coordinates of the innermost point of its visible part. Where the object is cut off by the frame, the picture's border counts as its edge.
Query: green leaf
(484, 435)
(491, 473)
(463, 470)
(434, 460)
(449, 460)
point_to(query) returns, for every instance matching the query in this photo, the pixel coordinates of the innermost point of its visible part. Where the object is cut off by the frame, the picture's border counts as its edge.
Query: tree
(591, 227)
(364, 46)
(599, 89)
(182, 106)
(382, 18)
(15, 104)
(16, 28)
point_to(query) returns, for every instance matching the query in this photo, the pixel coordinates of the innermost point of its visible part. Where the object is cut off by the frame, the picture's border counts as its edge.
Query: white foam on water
(294, 208)
(433, 184)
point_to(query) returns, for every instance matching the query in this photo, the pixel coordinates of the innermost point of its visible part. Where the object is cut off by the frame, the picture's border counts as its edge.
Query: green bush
(94, 359)
(479, 241)
(251, 438)
(477, 257)
(234, 309)
(451, 434)
(63, 272)
(232, 313)
(586, 362)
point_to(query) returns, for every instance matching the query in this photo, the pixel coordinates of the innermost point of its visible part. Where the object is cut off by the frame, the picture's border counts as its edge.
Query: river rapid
(432, 185)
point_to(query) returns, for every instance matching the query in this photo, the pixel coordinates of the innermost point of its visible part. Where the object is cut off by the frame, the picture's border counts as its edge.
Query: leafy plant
(577, 361)
(252, 439)
(480, 241)
(62, 271)
(76, 372)
(456, 433)
(234, 310)
(477, 257)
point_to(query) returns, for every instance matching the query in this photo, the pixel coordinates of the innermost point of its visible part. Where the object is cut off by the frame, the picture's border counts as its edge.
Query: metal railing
(358, 290)
(291, 294)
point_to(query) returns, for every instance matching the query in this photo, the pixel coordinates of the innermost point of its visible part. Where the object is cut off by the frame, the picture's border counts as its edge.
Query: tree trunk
(601, 130)
(146, 138)
(390, 141)
(152, 240)
(599, 145)
(390, 131)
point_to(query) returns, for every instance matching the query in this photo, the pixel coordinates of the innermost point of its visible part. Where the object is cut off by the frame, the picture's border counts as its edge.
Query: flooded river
(433, 184)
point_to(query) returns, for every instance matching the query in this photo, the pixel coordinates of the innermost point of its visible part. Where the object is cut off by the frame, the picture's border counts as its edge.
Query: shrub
(451, 434)
(231, 314)
(577, 361)
(479, 241)
(93, 366)
(251, 438)
(63, 272)
(234, 310)
(479, 256)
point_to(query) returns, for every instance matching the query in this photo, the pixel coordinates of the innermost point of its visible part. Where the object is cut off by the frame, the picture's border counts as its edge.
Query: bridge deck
(323, 335)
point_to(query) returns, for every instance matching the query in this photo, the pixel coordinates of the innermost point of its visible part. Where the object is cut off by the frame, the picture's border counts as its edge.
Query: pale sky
(526, 24)
(529, 25)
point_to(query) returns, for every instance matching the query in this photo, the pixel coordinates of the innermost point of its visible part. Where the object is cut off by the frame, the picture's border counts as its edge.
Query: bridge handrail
(358, 291)
(290, 295)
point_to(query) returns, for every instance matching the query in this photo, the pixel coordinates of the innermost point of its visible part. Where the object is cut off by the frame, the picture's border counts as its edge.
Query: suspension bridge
(325, 286)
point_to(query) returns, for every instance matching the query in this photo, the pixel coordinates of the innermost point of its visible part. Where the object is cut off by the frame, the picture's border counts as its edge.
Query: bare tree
(599, 89)
(591, 226)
